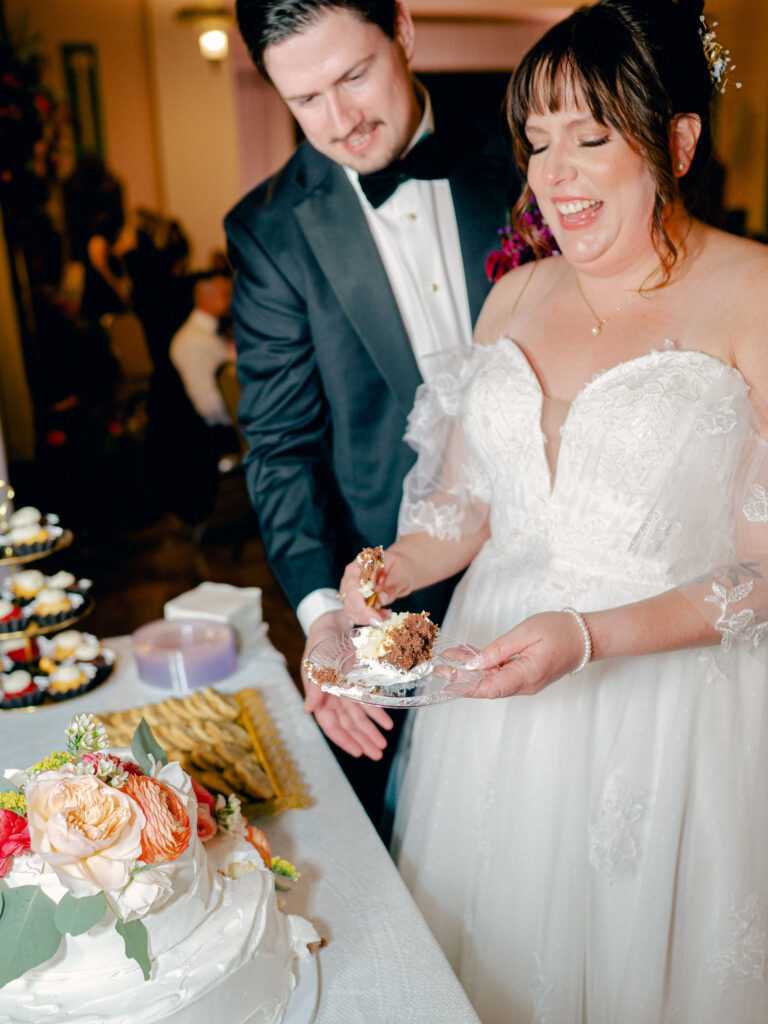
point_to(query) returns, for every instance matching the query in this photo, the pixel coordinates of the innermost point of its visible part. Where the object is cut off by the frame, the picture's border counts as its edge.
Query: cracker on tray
(224, 741)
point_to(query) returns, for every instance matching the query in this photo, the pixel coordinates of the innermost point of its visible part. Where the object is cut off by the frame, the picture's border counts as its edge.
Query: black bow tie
(427, 160)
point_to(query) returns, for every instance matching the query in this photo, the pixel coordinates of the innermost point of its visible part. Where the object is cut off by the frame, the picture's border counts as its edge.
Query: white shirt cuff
(316, 604)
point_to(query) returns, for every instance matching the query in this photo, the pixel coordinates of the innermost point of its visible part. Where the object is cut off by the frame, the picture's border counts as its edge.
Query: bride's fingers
(519, 676)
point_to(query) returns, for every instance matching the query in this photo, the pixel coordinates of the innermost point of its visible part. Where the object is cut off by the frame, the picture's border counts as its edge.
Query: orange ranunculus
(258, 839)
(167, 831)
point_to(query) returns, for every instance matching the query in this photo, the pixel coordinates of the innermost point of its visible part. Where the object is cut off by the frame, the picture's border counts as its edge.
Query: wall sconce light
(211, 24)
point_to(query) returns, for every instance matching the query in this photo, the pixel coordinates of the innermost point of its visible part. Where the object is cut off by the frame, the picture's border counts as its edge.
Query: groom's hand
(352, 726)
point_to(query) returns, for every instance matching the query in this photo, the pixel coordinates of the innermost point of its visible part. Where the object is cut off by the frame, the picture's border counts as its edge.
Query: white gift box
(237, 607)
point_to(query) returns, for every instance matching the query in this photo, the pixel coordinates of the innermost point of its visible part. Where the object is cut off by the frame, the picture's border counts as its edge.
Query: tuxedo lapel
(336, 230)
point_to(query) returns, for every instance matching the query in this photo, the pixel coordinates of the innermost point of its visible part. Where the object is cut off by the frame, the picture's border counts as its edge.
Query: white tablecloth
(381, 965)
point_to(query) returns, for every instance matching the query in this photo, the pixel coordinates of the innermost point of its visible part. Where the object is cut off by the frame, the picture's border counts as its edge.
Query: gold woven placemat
(226, 742)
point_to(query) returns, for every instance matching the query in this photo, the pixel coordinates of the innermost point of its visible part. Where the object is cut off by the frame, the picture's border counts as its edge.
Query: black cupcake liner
(20, 550)
(14, 625)
(26, 700)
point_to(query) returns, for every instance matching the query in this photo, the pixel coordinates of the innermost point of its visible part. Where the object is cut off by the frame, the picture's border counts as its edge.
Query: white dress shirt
(197, 352)
(417, 238)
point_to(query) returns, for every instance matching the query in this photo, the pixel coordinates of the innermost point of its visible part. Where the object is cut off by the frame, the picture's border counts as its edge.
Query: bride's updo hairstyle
(637, 65)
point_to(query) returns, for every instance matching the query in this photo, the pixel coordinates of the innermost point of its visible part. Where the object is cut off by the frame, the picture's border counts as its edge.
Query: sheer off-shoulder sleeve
(446, 492)
(711, 523)
(733, 594)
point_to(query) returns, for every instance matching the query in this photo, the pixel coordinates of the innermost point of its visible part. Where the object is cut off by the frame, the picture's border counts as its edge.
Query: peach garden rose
(87, 831)
(167, 831)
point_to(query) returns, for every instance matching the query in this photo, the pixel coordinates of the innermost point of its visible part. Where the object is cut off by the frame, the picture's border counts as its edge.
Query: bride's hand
(390, 583)
(529, 657)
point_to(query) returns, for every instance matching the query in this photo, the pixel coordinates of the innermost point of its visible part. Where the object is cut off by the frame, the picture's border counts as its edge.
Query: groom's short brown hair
(264, 23)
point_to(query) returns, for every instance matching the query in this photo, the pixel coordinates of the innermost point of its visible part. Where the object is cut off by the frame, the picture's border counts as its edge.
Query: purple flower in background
(515, 250)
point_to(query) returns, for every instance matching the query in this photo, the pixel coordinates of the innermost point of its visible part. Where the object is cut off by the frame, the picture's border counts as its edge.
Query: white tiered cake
(218, 947)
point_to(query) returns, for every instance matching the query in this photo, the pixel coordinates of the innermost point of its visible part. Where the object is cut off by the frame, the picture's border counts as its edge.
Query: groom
(355, 275)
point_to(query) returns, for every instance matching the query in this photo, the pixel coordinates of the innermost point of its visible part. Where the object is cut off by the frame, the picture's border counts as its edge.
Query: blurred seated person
(199, 348)
(107, 285)
(162, 285)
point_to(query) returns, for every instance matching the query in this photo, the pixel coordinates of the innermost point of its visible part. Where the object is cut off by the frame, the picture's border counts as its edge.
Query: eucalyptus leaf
(143, 744)
(28, 933)
(136, 941)
(75, 916)
(6, 786)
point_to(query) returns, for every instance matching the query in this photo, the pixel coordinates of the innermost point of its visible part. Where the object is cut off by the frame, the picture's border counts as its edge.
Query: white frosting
(371, 644)
(220, 950)
(62, 579)
(87, 651)
(51, 595)
(26, 516)
(67, 674)
(63, 644)
(30, 580)
(24, 534)
(16, 682)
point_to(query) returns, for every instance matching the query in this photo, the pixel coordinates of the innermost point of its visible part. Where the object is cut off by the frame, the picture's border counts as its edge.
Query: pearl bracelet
(585, 634)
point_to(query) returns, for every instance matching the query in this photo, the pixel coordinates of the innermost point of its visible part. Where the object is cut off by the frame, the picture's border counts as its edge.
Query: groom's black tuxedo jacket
(327, 372)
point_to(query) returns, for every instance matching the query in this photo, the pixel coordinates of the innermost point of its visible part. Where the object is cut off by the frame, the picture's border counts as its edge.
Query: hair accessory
(718, 58)
(585, 634)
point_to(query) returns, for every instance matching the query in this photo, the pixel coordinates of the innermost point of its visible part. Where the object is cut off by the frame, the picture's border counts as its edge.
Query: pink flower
(167, 830)
(87, 831)
(206, 823)
(14, 838)
(202, 794)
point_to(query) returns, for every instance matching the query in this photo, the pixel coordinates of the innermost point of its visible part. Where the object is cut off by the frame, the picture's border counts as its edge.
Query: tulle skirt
(597, 853)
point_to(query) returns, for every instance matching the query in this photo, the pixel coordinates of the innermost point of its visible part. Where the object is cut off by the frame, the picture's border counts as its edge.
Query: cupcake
(67, 679)
(19, 689)
(68, 581)
(19, 651)
(65, 644)
(27, 536)
(89, 650)
(27, 584)
(51, 602)
(11, 618)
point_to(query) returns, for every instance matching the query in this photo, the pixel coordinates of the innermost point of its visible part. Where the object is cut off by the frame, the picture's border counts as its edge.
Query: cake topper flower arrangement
(105, 830)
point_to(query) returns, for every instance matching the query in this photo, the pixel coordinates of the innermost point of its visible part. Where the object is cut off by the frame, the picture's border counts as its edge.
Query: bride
(598, 850)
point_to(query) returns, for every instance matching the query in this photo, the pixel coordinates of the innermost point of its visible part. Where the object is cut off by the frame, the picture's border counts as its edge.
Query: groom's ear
(404, 31)
(684, 136)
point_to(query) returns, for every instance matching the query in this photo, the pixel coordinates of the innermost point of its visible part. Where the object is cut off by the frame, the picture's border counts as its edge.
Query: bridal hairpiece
(718, 58)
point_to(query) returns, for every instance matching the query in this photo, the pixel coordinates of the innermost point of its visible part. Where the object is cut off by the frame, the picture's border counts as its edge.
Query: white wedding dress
(597, 853)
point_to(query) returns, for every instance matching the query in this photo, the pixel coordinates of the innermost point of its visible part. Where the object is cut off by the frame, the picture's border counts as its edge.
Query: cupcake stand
(27, 626)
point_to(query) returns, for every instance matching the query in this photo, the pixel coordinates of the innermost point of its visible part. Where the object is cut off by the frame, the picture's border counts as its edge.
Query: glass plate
(448, 679)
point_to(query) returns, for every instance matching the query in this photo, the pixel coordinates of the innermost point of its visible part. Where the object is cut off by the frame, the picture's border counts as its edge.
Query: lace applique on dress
(656, 528)
(713, 672)
(441, 521)
(612, 846)
(721, 420)
(756, 506)
(741, 625)
(745, 958)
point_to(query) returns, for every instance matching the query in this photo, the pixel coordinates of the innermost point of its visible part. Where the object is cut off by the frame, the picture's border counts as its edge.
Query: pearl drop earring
(680, 167)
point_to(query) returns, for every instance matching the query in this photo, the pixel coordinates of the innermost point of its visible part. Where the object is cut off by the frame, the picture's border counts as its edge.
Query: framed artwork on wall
(82, 79)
